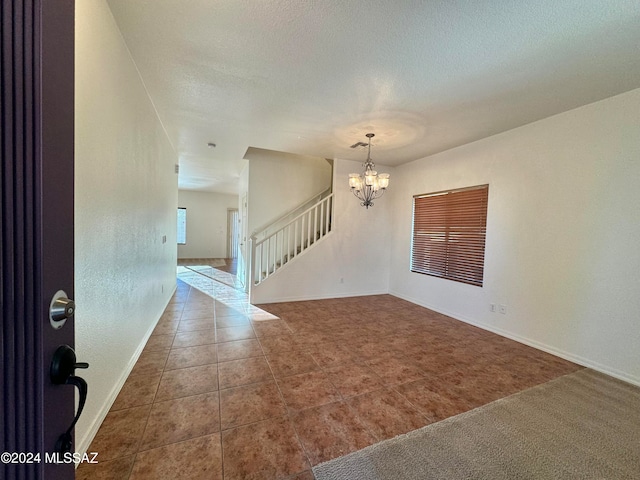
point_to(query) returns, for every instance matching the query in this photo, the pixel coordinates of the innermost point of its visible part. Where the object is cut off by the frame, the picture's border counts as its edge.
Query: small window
(182, 226)
(449, 230)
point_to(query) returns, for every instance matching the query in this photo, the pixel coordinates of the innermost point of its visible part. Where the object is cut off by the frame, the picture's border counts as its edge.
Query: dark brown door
(37, 231)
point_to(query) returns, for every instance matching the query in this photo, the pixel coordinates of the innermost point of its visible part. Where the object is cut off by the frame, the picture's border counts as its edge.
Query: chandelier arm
(356, 193)
(370, 194)
(380, 193)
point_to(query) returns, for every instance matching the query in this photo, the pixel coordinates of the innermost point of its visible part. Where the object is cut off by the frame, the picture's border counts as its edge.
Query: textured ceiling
(313, 76)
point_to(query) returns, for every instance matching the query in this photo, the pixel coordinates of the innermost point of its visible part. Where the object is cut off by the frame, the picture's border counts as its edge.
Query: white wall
(126, 199)
(357, 251)
(206, 223)
(279, 182)
(563, 230)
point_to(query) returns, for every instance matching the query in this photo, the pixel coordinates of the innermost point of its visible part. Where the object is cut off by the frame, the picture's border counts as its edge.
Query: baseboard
(585, 362)
(327, 296)
(83, 444)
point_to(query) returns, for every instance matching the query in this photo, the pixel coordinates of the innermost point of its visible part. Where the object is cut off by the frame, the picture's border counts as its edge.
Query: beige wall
(126, 199)
(562, 249)
(279, 182)
(206, 223)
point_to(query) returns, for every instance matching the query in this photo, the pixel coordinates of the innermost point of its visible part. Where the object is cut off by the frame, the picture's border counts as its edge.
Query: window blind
(449, 230)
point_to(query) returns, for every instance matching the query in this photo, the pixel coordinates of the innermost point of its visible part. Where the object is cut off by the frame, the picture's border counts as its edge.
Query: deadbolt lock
(61, 309)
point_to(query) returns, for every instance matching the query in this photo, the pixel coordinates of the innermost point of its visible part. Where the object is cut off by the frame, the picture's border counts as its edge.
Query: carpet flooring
(584, 425)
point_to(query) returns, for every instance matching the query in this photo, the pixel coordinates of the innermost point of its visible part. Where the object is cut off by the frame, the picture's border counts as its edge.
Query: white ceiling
(313, 76)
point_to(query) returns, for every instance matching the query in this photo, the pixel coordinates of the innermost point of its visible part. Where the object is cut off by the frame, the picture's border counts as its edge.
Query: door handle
(62, 369)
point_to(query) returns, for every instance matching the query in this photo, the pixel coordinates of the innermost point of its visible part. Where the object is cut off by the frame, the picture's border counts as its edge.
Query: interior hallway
(224, 390)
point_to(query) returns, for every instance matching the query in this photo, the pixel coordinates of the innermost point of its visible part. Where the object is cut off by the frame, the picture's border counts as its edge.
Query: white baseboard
(585, 362)
(83, 444)
(304, 298)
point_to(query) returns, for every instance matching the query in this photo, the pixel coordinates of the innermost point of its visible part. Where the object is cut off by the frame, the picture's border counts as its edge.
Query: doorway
(242, 247)
(233, 233)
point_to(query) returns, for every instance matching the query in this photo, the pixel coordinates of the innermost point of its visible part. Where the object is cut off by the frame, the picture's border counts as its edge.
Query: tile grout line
(146, 424)
(187, 396)
(215, 326)
(343, 399)
(288, 413)
(346, 402)
(158, 387)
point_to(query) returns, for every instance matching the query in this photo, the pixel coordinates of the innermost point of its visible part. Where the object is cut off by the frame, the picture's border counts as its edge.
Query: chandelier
(371, 184)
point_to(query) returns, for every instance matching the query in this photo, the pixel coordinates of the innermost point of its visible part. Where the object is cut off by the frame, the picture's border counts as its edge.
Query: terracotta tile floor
(224, 391)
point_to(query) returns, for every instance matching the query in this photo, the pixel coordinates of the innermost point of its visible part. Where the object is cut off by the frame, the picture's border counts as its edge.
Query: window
(449, 230)
(182, 226)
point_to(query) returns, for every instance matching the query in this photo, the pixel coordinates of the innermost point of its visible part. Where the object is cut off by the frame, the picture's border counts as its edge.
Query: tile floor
(229, 265)
(224, 390)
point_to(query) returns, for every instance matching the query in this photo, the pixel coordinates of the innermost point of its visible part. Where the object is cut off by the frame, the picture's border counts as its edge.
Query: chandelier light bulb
(383, 180)
(355, 181)
(370, 178)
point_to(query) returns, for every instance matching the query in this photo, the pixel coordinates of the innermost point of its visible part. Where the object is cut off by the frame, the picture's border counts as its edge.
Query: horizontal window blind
(449, 230)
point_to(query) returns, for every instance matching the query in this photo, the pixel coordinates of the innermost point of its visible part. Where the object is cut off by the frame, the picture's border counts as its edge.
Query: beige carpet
(581, 426)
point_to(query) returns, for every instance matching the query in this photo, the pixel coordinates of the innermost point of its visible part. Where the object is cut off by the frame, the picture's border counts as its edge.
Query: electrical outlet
(492, 307)
(502, 309)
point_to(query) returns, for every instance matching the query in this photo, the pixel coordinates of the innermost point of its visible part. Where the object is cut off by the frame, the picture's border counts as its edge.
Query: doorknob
(63, 366)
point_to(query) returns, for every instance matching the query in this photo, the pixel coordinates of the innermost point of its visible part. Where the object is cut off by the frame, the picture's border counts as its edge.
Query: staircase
(282, 241)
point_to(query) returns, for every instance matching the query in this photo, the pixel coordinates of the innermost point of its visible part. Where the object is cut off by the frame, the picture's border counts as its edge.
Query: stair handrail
(321, 196)
(258, 242)
(255, 243)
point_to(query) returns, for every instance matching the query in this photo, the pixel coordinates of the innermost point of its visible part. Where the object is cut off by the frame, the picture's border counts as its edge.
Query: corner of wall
(339, 265)
(558, 251)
